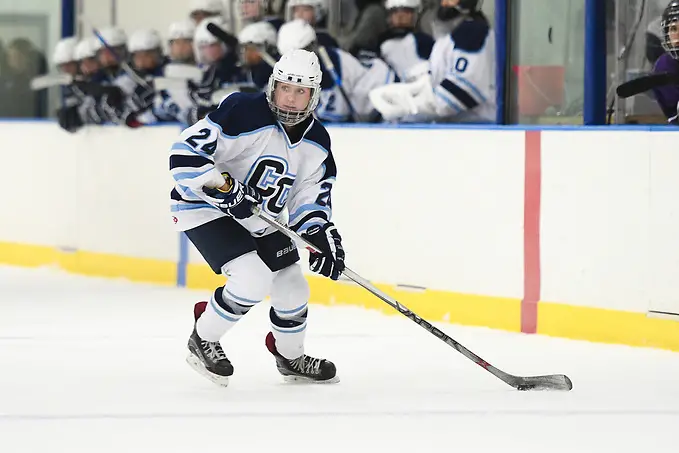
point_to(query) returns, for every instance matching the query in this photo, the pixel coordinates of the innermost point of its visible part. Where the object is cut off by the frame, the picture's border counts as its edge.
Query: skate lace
(307, 365)
(213, 350)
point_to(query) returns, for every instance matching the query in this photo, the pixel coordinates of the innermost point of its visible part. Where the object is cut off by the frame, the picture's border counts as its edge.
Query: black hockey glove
(329, 263)
(236, 202)
(69, 118)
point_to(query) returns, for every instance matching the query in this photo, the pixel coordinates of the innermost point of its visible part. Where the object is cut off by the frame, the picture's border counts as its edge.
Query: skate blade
(195, 363)
(305, 380)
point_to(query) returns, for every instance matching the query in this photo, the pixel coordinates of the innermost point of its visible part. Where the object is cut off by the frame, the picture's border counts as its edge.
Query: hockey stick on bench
(547, 382)
(646, 83)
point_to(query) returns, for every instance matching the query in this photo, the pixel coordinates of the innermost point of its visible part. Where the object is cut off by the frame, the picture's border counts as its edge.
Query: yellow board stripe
(560, 320)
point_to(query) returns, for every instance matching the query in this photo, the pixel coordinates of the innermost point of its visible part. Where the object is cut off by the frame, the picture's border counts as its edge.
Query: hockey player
(256, 40)
(667, 96)
(461, 86)
(180, 40)
(145, 47)
(353, 76)
(64, 56)
(86, 56)
(259, 10)
(204, 9)
(221, 70)
(402, 47)
(261, 149)
(315, 13)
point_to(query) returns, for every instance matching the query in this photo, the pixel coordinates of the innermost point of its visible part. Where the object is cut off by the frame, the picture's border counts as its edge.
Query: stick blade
(559, 382)
(646, 83)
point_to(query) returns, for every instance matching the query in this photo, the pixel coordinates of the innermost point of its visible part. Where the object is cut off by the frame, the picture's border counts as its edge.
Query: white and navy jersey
(332, 106)
(244, 138)
(404, 52)
(462, 68)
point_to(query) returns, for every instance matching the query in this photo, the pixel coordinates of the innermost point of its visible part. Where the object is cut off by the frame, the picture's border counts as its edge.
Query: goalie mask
(296, 68)
(670, 28)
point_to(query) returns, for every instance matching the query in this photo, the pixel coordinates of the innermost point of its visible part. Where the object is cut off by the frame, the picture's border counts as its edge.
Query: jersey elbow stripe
(448, 99)
(460, 94)
(192, 162)
(470, 87)
(184, 147)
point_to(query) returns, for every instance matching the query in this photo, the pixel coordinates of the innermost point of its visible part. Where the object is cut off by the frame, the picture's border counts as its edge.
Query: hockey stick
(327, 62)
(547, 382)
(123, 64)
(228, 39)
(50, 80)
(645, 83)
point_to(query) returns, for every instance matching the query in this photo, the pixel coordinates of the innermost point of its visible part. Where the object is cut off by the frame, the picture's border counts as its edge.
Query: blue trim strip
(183, 262)
(502, 65)
(220, 311)
(491, 127)
(67, 18)
(241, 299)
(297, 330)
(289, 312)
(595, 63)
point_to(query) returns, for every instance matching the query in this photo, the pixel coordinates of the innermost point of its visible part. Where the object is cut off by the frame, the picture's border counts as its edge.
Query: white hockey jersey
(244, 138)
(462, 68)
(403, 53)
(357, 79)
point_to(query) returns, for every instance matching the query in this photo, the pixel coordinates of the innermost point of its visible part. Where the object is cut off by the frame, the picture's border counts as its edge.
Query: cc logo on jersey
(271, 177)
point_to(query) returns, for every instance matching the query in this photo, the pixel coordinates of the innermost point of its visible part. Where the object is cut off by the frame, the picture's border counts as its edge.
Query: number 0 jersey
(244, 138)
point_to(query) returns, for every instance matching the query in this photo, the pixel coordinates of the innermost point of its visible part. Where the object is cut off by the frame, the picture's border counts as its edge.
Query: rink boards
(563, 232)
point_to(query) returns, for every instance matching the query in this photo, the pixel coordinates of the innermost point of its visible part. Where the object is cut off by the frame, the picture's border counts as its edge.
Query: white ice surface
(92, 365)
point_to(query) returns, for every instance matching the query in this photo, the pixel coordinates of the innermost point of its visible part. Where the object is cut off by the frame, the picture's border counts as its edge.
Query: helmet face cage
(670, 26)
(291, 117)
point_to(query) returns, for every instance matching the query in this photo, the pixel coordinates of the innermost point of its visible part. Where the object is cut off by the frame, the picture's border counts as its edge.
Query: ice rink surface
(93, 365)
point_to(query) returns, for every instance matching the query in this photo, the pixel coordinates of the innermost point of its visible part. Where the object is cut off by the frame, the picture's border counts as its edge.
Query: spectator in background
(370, 23)
(23, 63)
(315, 13)
(202, 9)
(260, 10)
(668, 96)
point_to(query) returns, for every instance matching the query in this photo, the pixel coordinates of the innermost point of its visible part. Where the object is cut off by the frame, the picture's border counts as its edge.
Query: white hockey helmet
(209, 6)
(296, 67)
(114, 37)
(85, 49)
(411, 4)
(64, 51)
(320, 8)
(142, 40)
(296, 34)
(203, 37)
(184, 29)
(259, 33)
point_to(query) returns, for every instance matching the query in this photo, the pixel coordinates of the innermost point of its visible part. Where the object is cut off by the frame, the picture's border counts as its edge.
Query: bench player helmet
(296, 34)
(670, 27)
(320, 9)
(64, 51)
(296, 67)
(467, 7)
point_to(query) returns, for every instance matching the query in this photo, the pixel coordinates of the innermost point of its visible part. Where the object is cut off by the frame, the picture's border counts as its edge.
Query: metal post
(502, 65)
(595, 62)
(67, 18)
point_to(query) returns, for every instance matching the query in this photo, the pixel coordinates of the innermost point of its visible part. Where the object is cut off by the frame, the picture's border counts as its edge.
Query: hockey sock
(289, 328)
(223, 311)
